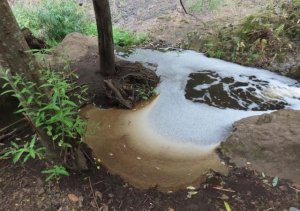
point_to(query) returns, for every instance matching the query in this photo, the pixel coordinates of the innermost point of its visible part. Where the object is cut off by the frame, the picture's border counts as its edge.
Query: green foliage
(55, 173)
(121, 37)
(23, 152)
(27, 18)
(58, 18)
(144, 92)
(58, 116)
(54, 19)
(260, 40)
(201, 5)
(126, 38)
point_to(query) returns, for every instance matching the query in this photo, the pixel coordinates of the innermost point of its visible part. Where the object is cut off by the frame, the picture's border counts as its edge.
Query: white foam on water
(184, 121)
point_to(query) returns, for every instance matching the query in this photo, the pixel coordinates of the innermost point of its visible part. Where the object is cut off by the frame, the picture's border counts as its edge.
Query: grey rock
(270, 142)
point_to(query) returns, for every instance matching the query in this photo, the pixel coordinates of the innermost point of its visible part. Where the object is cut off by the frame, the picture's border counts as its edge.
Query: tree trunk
(15, 56)
(105, 37)
(13, 47)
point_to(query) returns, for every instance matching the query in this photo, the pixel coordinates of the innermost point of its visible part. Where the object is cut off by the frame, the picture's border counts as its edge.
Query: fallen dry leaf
(73, 197)
(99, 195)
(104, 207)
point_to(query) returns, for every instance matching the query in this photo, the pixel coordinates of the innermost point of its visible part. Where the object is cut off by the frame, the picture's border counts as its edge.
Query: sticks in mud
(13, 130)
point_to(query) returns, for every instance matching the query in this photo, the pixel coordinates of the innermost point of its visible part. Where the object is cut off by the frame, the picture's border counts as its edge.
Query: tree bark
(105, 37)
(15, 56)
(13, 47)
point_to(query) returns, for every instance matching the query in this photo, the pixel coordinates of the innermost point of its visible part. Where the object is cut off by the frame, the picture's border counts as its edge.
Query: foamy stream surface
(169, 141)
(184, 121)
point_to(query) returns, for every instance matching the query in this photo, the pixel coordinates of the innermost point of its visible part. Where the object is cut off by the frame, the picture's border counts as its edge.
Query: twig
(96, 183)
(185, 11)
(13, 124)
(296, 190)
(94, 196)
(183, 7)
(7, 135)
(223, 189)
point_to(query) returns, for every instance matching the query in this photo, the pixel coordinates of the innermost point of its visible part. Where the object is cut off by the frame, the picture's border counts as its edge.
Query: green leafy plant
(145, 93)
(23, 152)
(126, 38)
(55, 173)
(58, 116)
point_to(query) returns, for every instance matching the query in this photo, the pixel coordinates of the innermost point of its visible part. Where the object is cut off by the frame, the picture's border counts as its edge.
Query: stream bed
(170, 141)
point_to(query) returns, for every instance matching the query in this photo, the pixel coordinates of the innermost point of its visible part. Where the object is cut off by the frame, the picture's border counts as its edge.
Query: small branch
(5, 136)
(183, 7)
(185, 11)
(223, 189)
(95, 199)
(11, 125)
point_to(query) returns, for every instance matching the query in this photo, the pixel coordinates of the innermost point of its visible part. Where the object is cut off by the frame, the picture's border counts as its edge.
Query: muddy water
(127, 146)
(170, 142)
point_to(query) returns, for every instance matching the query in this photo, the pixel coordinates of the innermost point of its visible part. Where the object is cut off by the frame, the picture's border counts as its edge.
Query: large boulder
(270, 142)
(74, 47)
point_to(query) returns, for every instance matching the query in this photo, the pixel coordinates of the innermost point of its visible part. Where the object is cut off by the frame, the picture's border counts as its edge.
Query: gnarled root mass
(132, 83)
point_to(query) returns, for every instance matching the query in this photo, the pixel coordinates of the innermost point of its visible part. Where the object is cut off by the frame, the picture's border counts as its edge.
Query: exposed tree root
(132, 83)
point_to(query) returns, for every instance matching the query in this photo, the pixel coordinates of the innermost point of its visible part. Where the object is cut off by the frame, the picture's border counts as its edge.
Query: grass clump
(126, 38)
(260, 40)
(54, 19)
(201, 5)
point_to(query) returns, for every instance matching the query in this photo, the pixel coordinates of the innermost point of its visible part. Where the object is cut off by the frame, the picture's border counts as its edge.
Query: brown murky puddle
(127, 146)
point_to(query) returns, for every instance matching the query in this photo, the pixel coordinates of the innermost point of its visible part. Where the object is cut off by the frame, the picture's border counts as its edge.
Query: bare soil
(165, 20)
(23, 187)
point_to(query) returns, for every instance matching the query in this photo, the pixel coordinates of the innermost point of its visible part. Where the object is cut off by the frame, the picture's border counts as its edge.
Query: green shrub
(125, 38)
(59, 116)
(54, 19)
